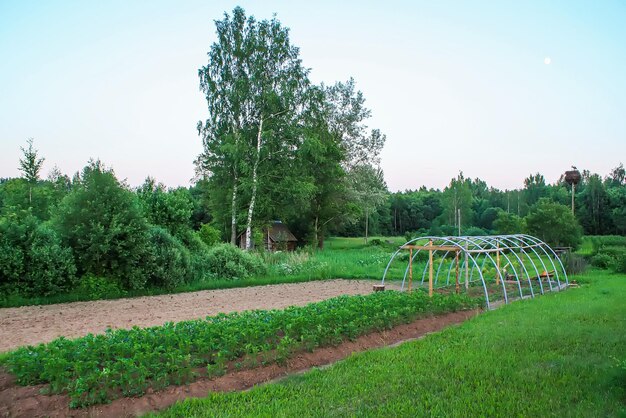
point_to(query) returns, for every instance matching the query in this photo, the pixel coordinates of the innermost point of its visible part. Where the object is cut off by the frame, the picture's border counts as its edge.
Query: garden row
(97, 368)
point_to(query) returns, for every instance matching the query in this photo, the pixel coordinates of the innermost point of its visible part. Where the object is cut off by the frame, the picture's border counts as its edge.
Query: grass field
(560, 355)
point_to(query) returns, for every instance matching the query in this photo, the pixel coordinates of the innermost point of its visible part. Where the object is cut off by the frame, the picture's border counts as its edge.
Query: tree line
(471, 207)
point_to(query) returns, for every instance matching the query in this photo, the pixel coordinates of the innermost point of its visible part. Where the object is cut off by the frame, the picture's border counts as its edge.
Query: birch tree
(254, 78)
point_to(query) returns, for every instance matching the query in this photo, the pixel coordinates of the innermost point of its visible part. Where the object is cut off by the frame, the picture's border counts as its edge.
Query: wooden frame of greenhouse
(502, 267)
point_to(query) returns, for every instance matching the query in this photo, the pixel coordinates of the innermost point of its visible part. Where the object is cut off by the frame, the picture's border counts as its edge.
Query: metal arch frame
(445, 240)
(472, 247)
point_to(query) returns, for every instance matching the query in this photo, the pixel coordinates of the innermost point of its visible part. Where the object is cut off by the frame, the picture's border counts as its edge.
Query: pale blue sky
(455, 85)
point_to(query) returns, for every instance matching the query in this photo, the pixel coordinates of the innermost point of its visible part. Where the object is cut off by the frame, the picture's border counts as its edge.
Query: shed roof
(278, 231)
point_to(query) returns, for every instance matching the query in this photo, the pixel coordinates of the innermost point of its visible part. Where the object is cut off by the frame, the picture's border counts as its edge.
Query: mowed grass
(551, 356)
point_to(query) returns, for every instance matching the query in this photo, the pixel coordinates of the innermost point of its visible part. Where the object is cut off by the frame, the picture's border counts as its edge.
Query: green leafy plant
(97, 368)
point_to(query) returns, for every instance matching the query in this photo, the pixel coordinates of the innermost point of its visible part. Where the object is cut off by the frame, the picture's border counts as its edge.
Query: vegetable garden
(98, 368)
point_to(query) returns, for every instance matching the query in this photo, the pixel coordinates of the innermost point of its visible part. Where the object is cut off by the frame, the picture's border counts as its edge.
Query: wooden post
(573, 193)
(410, 268)
(458, 290)
(430, 269)
(498, 265)
(466, 268)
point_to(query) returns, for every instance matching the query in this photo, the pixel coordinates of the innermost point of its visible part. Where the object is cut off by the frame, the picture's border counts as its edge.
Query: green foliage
(554, 224)
(209, 234)
(102, 222)
(555, 356)
(475, 231)
(226, 261)
(603, 261)
(31, 164)
(95, 288)
(94, 369)
(33, 261)
(169, 261)
(508, 223)
(169, 209)
(50, 268)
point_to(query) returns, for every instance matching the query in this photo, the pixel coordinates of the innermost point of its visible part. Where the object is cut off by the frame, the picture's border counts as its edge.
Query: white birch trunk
(254, 187)
(233, 213)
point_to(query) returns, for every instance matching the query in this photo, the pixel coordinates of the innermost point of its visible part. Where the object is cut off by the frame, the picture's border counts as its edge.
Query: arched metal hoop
(518, 266)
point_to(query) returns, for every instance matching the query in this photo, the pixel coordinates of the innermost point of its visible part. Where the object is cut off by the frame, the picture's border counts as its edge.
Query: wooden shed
(277, 237)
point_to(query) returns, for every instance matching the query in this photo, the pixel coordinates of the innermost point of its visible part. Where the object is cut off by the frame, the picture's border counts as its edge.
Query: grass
(558, 355)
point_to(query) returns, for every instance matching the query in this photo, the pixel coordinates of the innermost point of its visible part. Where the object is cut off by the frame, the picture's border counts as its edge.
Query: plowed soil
(31, 325)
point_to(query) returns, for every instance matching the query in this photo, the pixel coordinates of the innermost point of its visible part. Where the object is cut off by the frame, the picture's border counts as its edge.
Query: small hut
(277, 237)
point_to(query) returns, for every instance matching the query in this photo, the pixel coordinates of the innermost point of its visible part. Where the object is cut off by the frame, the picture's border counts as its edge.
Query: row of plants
(98, 368)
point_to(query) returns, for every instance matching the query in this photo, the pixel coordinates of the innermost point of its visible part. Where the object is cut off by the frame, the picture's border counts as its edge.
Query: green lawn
(552, 356)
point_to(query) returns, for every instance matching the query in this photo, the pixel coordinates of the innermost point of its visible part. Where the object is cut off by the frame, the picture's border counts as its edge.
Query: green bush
(209, 234)
(226, 261)
(603, 261)
(474, 231)
(50, 268)
(102, 222)
(620, 263)
(98, 287)
(169, 261)
(33, 262)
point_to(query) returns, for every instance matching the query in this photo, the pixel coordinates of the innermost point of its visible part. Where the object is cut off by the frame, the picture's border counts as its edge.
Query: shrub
(169, 262)
(554, 224)
(228, 262)
(620, 263)
(50, 268)
(98, 287)
(602, 260)
(32, 260)
(102, 222)
(209, 234)
(474, 231)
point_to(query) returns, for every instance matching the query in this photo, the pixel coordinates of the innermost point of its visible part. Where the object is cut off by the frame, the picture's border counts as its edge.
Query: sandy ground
(30, 325)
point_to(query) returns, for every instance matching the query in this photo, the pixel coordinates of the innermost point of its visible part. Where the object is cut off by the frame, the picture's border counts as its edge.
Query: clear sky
(498, 90)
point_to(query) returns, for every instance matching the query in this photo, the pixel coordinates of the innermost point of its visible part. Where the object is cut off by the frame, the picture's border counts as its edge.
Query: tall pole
(459, 221)
(410, 268)
(430, 270)
(573, 192)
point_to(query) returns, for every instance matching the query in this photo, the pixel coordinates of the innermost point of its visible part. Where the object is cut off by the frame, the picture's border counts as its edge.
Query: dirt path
(30, 325)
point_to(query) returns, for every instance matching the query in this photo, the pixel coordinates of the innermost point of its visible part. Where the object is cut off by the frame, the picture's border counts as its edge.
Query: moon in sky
(547, 60)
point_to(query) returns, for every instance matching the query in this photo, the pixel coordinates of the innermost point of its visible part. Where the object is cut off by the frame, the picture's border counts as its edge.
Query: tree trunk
(367, 218)
(315, 235)
(233, 213)
(254, 187)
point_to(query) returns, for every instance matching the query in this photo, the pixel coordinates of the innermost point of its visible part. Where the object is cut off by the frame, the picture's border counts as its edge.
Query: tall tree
(369, 190)
(457, 202)
(30, 166)
(253, 84)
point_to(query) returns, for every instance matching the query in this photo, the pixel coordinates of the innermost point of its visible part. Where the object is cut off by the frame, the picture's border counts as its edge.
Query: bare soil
(29, 325)
(16, 401)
